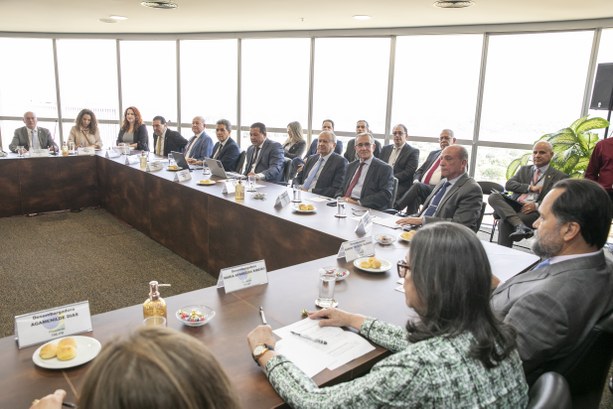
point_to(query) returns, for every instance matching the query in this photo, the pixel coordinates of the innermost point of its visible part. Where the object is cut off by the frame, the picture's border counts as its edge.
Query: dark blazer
(271, 160)
(350, 152)
(313, 149)
(228, 154)
(141, 136)
(520, 182)
(203, 146)
(554, 307)
(21, 138)
(331, 176)
(461, 204)
(419, 173)
(295, 151)
(405, 165)
(173, 142)
(378, 184)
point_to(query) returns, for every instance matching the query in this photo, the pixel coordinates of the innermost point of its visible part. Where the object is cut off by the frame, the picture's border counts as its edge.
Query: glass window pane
(88, 78)
(492, 163)
(208, 80)
(534, 84)
(351, 76)
(435, 84)
(28, 79)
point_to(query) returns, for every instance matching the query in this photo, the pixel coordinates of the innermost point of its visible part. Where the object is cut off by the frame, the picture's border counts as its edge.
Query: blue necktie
(543, 263)
(436, 200)
(311, 177)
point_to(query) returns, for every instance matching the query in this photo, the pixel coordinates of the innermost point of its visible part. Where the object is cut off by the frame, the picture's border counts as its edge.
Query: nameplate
(183, 176)
(282, 200)
(131, 160)
(112, 153)
(39, 153)
(353, 249)
(41, 326)
(154, 166)
(228, 187)
(364, 224)
(243, 276)
(86, 151)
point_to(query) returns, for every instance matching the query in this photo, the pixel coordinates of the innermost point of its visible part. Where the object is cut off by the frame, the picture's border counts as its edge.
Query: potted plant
(572, 147)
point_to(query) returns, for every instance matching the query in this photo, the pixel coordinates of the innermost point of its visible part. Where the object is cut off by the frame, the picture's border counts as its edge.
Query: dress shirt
(356, 193)
(34, 141)
(394, 155)
(449, 186)
(435, 168)
(219, 149)
(190, 145)
(321, 167)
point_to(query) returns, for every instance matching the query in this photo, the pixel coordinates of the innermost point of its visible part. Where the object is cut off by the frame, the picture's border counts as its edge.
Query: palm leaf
(516, 164)
(592, 123)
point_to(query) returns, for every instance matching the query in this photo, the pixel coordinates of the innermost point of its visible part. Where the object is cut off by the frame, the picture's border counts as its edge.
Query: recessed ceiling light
(118, 18)
(160, 4)
(453, 4)
(361, 17)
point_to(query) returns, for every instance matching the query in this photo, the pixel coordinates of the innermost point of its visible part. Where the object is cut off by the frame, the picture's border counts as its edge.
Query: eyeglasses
(403, 268)
(399, 133)
(363, 145)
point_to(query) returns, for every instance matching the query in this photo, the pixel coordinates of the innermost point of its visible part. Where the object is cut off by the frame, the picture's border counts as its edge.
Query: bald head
(542, 153)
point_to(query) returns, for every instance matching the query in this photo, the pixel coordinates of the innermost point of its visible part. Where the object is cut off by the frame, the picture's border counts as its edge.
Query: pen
(262, 316)
(319, 341)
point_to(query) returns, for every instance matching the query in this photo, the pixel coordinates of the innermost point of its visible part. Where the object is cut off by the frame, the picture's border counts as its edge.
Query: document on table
(387, 221)
(313, 357)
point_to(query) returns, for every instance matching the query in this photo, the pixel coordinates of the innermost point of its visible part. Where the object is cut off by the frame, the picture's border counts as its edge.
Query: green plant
(572, 147)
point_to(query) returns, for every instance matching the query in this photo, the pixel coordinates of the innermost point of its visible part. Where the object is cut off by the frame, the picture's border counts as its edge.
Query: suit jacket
(228, 155)
(462, 203)
(520, 182)
(173, 142)
(350, 152)
(295, 151)
(203, 146)
(419, 173)
(313, 149)
(331, 176)
(404, 167)
(378, 184)
(141, 138)
(271, 160)
(554, 307)
(21, 138)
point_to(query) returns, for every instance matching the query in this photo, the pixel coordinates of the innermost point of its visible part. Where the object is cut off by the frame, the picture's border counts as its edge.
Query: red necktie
(432, 170)
(354, 181)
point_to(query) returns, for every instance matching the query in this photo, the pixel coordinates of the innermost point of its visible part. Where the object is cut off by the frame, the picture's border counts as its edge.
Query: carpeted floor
(59, 258)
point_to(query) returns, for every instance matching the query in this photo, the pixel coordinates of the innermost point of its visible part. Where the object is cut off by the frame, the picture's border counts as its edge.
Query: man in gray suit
(457, 197)
(368, 181)
(402, 157)
(31, 136)
(554, 306)
(529, 186)
(324, 172)
(265, 158)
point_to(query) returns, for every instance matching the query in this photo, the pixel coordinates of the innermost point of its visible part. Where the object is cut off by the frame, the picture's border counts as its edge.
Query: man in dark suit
(323, 172)
(554, 306)
(360, 127)
(200, 146)
(425, 178)
(226, 150)
(368, 181)
(265, 158)
(402, 158)
(529, 186)
(31, 136)
(457, 198)
(326, 125)
(166, 140)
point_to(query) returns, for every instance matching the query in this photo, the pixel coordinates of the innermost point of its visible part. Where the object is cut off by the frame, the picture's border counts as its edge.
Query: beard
(545, 248)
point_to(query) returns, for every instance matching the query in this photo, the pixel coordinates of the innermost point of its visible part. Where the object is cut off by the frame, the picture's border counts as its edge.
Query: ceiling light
(361, 17)
(160, 4)
(453, 4)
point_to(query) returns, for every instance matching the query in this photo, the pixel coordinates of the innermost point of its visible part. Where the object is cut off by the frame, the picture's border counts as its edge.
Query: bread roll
(67, 341)
(66, 352)
(48, 351)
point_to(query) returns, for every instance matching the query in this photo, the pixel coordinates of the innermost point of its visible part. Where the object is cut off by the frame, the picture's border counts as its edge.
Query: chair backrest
(488, 187)
(287, 168)
(550, 391)
(483, 205)
(240, 162)
(394, 192)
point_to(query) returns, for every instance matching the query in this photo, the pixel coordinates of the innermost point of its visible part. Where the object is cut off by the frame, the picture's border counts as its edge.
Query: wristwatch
(260, 350)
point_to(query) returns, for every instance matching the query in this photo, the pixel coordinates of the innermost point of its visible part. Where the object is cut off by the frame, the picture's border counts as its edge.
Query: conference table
(294, 245)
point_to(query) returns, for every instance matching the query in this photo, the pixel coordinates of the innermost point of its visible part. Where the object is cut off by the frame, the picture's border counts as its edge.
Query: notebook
(180, 160)
(217, 169)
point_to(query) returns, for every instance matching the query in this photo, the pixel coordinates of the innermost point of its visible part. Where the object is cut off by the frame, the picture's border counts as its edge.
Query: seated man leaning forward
(456, 198)
(368, 180)
(457, 354)
(265, 158)
(554, 306)
(324, 172)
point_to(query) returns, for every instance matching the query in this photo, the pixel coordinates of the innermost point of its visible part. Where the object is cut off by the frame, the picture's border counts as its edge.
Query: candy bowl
(195, 315)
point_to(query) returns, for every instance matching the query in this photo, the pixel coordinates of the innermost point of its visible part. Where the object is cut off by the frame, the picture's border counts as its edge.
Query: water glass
(20, 151)
(155, 321)
(340, 208)
(251, 183)
(171, 161)
(297, 196)
(327, 282)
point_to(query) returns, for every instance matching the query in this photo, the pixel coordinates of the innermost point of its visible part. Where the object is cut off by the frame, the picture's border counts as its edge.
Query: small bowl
(358, 212)
(195, 315)
(384, 239)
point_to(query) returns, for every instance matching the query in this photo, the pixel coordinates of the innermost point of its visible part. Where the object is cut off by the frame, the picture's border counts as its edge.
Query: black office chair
(550, 391)
(489, 187)
(287, 169)
(240, 163)
(483, 205)
(587, 368)
(394, 192)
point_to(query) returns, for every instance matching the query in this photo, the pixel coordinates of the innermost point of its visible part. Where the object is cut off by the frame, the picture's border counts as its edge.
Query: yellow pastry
(67, 341)
(48, 351)
(66, 352)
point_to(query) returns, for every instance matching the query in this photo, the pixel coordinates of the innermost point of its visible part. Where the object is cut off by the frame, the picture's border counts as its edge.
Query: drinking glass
(340, 208)
(20, 151)
(155, 321)
(251, 183)
(327, 282)
(297, 196)
(171, 161)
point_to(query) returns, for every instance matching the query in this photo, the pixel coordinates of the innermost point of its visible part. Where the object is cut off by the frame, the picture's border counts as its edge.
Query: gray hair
(225, 123)
(330, 133)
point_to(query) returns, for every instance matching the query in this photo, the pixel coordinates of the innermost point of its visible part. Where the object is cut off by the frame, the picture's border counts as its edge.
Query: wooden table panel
(10, 198)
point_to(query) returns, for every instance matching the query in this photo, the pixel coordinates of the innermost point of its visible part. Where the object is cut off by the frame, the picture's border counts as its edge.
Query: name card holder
(39, 153)
(86, 151)
(183, 176)
(364, 224)
(228, 187)
(154, 166)
(282, 200)
(112, 153)
(243, 276)
(131, 160)
(42, 326)
(353, 249)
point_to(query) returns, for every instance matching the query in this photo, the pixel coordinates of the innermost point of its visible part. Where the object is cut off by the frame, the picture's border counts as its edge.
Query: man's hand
(415, 221)
(528, 208)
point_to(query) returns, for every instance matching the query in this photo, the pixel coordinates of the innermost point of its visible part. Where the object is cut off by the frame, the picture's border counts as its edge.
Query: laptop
(182, 162)
(217, 169)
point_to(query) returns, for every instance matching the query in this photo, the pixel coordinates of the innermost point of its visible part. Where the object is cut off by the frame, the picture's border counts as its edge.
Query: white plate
(342, 274)
(87, 349)
(406, 240)
(385, 265)
(384, 239)
(297, 210)
(202, 309)
(206, 182)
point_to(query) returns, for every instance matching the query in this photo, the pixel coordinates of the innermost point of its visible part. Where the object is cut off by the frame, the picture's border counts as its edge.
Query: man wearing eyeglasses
(425, 178)
(402, 157)
(368, 181)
